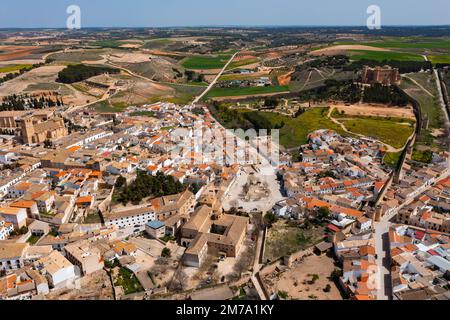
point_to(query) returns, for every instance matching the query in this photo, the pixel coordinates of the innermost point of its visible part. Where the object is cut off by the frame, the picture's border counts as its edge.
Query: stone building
(382, 75)
(34, 130)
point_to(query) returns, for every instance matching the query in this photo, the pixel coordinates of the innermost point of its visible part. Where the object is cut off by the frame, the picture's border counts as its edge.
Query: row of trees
(402, 66)
(332, 89)
(193, 76)
(25, 101)
(146, 185)
(14, 75)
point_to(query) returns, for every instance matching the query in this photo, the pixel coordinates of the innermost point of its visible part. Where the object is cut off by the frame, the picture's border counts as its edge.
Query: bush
(270, 218)
(166, 253)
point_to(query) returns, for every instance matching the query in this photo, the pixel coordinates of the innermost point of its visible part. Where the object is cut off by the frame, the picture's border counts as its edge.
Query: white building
(16, 216)
(57, 269)
(5, 229)
(12, 255)
(131, 217)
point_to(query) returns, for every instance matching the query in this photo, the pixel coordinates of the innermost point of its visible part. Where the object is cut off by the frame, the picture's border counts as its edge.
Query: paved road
(196, 100)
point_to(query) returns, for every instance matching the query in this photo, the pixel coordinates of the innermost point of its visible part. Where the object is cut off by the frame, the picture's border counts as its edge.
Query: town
(169, 166)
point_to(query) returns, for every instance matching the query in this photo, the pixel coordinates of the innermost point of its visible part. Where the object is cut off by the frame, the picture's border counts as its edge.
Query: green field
(142, 114)
(107, 43)
(440, 59)
(206, 62)
(237, 64)
(13, 68)
(246, 91)
(296, 130)
(106, 106)
(407, 44)
(237, 76)
(429, 105)
(394, 132)
(384, 55)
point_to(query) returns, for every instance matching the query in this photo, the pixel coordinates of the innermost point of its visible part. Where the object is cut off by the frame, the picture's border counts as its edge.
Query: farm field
(249, 76)
(12, 68)
(243, 62)
(78, 56)
(444, 59)
(206, 62)
(385, 55)
(408, 44)
(246, 91)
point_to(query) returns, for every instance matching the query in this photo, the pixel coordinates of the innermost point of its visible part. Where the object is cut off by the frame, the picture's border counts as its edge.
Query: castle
(383, 75)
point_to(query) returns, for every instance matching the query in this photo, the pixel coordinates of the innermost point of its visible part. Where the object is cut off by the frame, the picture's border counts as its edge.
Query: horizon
(230, 26)
(51, 14)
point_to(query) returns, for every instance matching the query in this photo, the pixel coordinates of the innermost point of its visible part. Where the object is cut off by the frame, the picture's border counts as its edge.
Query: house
(85, 256)
(85, 202)
(39, 228)
(443, 265)
(155, 229)
(57, 269)
(5, 229)
(118, 168)
(30, 206)
(12, 255)
(173, 225)
(124, 248)
(17, 216)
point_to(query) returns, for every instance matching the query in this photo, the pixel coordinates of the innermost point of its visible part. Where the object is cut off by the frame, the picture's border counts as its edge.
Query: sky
(163, 13)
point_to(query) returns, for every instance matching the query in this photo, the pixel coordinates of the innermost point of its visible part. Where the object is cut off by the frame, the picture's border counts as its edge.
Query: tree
(120, 182)
(244, 262)
(48, 144)
(179, 281)
(336, 274)
(23, 230)
(166, 253)
(323, 213)
(270, 218)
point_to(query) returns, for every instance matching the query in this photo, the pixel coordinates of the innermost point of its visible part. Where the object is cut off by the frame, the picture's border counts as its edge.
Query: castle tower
(27, 130)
